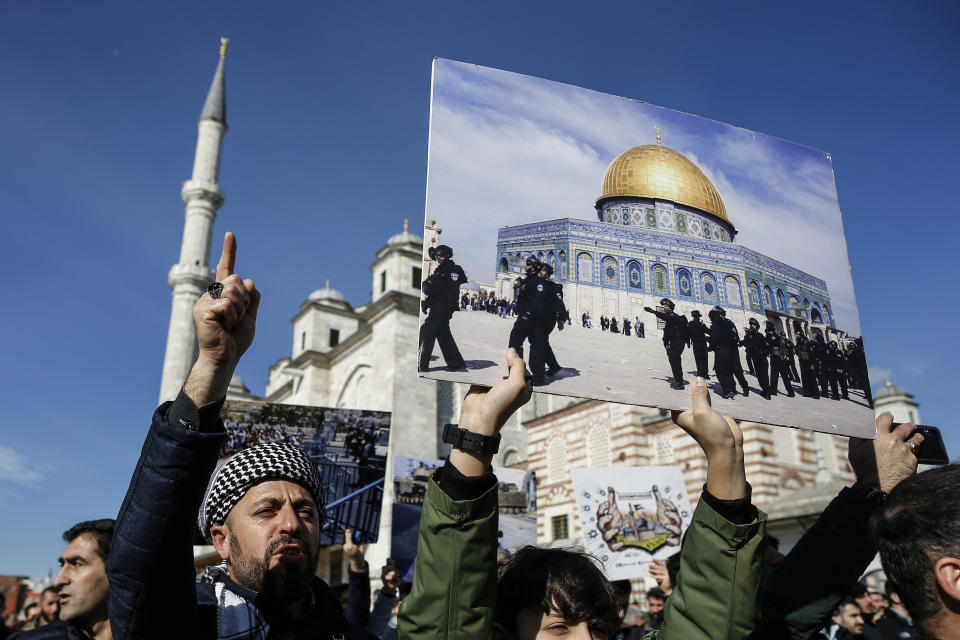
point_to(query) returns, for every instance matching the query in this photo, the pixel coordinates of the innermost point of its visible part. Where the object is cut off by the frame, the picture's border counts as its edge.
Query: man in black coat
(441, 294)
(540, 307)
(723, 343)
(757, 350)
(674, 338)
(808, 366)
(262, 509)
(790, 349)
(559, 312)
(522, 328)
(698, 334)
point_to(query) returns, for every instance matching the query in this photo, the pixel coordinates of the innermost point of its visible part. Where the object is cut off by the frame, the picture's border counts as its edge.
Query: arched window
(552, 260)
(767, 298)
(684, 283)
(708, 286)
(781, 301)
(610, 274)
(557, 461)
(598, 446)
(540, 256)
(562, 267)
(815, 316)
(634, 275)
(659, 279)
(504, 265)
(754, 294)
(794, 300)
(731, 288)
(585, 267)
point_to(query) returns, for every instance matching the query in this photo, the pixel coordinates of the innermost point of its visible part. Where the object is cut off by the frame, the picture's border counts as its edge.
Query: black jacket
(442, 288)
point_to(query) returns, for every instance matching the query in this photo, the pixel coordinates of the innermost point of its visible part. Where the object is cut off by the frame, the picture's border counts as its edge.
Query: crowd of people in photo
(262, 511)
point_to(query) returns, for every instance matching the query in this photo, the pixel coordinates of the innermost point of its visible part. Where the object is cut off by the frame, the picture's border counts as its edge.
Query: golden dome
(654, 171)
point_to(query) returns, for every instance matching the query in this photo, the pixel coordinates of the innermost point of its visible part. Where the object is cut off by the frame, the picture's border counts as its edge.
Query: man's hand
(658, 571)
(884, 462)
(721, 440)
(224, 327)
(669, 516)
(485, 409)
(610, 521)
(649, 310)
(354, 552)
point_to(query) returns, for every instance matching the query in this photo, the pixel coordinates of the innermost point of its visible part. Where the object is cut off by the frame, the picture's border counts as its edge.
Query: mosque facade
(662, 230)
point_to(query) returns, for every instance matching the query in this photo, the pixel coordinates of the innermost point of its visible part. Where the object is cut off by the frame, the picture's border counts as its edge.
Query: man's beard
(284, 581)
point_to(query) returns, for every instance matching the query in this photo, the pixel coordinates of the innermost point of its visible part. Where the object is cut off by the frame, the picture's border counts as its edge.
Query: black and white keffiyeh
(269, 461)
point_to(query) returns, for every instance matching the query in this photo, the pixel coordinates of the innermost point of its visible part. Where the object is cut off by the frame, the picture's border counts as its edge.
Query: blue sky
(326, 154)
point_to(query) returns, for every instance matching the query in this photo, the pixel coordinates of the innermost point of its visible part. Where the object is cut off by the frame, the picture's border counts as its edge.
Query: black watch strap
(470, 441)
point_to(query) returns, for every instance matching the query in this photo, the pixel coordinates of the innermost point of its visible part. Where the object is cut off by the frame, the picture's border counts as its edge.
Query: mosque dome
(404, 237)
(890, 390)
(655, 171)
(326, 293)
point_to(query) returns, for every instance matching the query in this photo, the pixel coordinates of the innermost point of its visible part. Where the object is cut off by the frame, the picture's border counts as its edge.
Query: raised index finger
(228, 257)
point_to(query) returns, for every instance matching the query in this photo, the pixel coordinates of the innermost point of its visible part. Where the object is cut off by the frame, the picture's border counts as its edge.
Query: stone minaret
(191, 275)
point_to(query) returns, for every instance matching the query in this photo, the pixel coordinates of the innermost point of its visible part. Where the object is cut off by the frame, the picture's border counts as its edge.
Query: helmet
(444, 250)
(695, 313)
(547, 268)
(769, 326)
(721, 311)
(754, 322)
(532, 261)
(667, 302)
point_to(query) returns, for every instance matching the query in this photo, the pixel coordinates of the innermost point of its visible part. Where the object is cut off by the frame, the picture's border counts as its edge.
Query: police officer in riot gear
(790, 349)
(441, 293)
(808, 367)
(560, 311)
(723, 343)
(538, 309)
(778, 362)
(698, 333)
(521, 326)
(674, 338)
(757, 350)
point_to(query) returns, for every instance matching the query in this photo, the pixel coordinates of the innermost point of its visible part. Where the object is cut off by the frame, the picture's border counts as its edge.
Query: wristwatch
(470, 441)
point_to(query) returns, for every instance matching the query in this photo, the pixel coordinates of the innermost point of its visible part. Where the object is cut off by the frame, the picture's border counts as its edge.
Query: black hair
(673, 568)
(913, 529)
(562, 581)
(51, 589)
(101, 530)
(848, 600)
(657, 593)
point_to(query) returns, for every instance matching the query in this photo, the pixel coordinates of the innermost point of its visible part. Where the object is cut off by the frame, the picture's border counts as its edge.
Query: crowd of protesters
(262, 510)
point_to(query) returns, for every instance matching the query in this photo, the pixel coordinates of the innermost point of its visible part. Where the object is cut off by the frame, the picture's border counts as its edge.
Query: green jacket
(454, 584)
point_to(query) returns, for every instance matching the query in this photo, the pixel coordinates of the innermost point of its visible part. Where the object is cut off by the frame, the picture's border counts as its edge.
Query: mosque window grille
(709, 288)
(684, 283)
(598, 446)
(767, 302)
(754, 294)
(663, 446)
(733, 292)
(585, 267)
(634, 275)
(504, 265)
(557, 469)
(562, 266)
(828, 449)
(383, 281)
(416, 277)
(781, 301)
(611, 276)
(560, 527)
(660, 279)
(303, 341)
(334, 337)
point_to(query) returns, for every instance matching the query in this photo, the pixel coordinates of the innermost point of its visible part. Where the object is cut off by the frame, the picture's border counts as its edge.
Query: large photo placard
(626, 248)
(349, 447)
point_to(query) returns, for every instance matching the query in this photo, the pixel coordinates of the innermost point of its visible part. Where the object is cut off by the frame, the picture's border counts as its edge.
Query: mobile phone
(932, 449)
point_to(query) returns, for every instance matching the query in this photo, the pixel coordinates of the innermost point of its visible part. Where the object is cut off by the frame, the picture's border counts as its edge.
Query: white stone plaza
(630, 370)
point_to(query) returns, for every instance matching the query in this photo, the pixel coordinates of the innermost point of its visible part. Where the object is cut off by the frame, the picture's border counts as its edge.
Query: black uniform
(521, 326)
(837, 363)
(561, 314)
(698, 334)
(790, 349)
(735, 365)
(626, 327)
(538, 308)
(808, 367)
(674, 339)
(778, 364)
(757, 350)
(823, 365)
(723, 343)
(442, 294)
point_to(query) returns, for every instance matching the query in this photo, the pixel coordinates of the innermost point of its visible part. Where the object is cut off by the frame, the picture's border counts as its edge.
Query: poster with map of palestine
(627, 248)
(631, 516)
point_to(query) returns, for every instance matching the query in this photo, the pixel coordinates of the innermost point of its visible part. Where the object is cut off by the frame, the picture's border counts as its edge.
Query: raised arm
(454, 582)
(716, 591)
(150, 569)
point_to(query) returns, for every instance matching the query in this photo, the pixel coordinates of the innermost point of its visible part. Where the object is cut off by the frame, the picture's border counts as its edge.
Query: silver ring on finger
(215, 289)
(913, 445)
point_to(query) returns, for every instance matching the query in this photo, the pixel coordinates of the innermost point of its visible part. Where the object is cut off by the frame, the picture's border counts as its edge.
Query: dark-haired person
(456, 593)
(916, 531)
(674, 338)
(46, 610)
(441, 293)
(847, 622)
(896, 623)
(262, 509)
(81, 586)
(653, 617)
